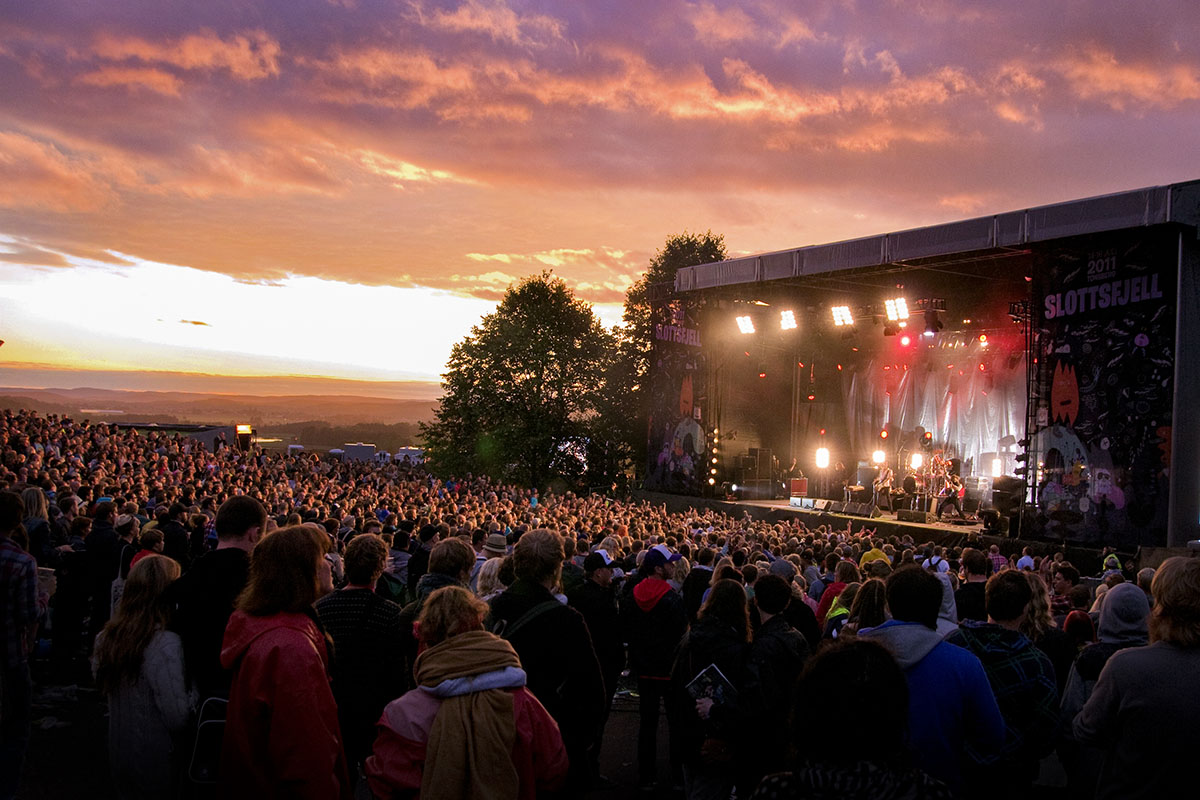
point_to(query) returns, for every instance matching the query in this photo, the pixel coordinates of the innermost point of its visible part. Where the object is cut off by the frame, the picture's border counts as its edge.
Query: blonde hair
(448, 612)
(1176, 614)
(1039, 617)
(141, 615)
(488, 580)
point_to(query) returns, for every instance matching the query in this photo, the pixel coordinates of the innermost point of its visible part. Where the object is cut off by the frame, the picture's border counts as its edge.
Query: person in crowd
(175, 534)
(845, 573)
(488, 585)
(839, 610)
(951, 704)
(368, 644)
(204, 598)
(418, 564)
(1145, 581)
(471, 729)
(968, 598)
(777, 656)
(1022, 678)
(104, 563)
(1052, 640)
(554, 645)
(139, 667)
(947, 620)
(801, 609)
(869, 609)
(711, 723)
(1124, 623)
(1079, 629)
(282, 737)
(1066, 577)
(596, 600)
(19, 613)
(128, 533)
(38, 529)
(999, 562)
(697, 580)
(150, 543)
(846, 683)
(1143, 708)
(654, 620)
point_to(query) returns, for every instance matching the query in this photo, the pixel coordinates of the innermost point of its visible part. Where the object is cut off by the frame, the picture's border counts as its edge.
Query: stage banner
(677, 445)
(1104, 309)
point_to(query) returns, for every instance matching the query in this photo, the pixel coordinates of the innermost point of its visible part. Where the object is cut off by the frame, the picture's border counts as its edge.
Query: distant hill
(211, 408)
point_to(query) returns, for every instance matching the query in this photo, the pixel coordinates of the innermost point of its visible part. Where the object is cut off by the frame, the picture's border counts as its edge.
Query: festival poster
(1105, 314)
(677, 444)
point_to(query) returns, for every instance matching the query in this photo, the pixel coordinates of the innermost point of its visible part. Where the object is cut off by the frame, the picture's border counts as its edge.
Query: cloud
(250, 55)
(193, 322)
(36, 174)
(154, 80)
(1095, 73)
(498, 22)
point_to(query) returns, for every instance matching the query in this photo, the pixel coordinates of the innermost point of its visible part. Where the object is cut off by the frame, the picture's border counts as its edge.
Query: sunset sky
(341, 188)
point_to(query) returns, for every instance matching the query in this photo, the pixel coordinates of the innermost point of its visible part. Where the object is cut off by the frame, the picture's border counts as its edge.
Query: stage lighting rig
(897, 308)
(842, 316)
(745, 324)
(932, 323)
(787, 320)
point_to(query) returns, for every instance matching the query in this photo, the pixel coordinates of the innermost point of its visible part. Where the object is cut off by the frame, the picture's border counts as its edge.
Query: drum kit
(934, 478)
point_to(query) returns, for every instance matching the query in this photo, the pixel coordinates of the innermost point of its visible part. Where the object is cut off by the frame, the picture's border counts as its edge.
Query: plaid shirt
(1022, 679)
(999, 562)
(18, 601)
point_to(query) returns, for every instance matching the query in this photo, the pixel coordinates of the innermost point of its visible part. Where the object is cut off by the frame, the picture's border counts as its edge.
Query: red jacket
(281, 736)
(831, 593)
(395, 768)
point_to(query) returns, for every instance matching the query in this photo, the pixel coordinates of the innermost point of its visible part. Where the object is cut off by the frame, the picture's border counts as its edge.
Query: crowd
(339, 624)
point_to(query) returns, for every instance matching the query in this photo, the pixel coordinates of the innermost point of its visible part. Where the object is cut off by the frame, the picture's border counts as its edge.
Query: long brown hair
(141, 615)
(283, 571)
(726, 603)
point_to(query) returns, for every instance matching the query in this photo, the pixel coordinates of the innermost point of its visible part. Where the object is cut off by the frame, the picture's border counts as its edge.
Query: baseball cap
(597, 560)
(659, 555)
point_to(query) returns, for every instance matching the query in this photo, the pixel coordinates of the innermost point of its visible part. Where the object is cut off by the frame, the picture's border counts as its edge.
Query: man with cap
(495, 545)
(654, 620)
(596, 600)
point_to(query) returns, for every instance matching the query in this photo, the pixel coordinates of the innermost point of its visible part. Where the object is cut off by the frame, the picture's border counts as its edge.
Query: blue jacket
(950, 701)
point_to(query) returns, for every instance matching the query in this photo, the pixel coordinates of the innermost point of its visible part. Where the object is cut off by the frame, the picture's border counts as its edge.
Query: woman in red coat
(470, 729)
(281, 736)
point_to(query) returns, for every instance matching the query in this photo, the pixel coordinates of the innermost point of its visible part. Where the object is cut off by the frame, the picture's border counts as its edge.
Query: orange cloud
(1095, 74)
(133, 77)
(251, 55)
(715, 25)
(499, 22)
(35, 174)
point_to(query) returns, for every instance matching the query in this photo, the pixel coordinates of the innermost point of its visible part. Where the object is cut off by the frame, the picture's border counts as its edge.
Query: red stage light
(883, 434)
(812, 397)
(981, 367)
(822, 431)
(983, 338)
(799, 363)
(762, 374)
(839, 367)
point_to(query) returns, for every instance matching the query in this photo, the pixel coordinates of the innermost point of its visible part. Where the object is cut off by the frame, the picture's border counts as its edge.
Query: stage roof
(999, 233)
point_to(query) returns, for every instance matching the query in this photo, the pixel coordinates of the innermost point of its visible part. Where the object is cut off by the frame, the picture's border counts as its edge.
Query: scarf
(469, 751)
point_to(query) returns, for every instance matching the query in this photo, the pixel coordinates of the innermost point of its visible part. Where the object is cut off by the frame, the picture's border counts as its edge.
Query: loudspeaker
(836, 507)
(908, 515)
(971, 505)
(821, 505)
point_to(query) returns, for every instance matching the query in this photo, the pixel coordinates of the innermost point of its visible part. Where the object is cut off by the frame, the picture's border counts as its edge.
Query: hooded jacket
(654, 620)
(1022, 679)
(950, 703)
(947, 621)
(281, 735)
(1123, 623)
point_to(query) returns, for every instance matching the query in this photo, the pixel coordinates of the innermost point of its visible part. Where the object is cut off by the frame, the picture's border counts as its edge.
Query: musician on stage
(949, 496)
(883, 488)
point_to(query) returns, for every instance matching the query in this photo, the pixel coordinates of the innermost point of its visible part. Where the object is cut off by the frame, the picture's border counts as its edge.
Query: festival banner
(1104, 311)
(677, 442)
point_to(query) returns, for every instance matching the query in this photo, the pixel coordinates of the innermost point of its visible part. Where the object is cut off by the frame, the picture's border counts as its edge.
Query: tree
(521, 390)
(626, 400)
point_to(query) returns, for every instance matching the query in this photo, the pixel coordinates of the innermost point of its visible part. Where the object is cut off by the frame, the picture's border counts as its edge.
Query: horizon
(332, 194)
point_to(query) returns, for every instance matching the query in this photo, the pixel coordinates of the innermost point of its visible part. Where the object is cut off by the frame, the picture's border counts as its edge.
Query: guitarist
(951, 495)
(883, 487)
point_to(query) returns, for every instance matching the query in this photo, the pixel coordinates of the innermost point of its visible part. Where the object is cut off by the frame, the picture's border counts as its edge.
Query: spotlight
(841, 316)
(745, 324)
(917, 460)
(879, 456)
(822, 457)
(897, 308)
(997, 467)
(762, 374)
(905, 341)
(983, 339)
(883, 434)
(712, 481)
(787, 320)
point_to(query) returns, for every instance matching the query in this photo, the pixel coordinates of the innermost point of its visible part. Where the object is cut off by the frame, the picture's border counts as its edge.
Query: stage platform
(946, 534)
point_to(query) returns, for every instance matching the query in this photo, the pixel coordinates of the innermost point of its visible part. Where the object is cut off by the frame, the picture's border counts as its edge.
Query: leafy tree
(644, 307)
(521, 390)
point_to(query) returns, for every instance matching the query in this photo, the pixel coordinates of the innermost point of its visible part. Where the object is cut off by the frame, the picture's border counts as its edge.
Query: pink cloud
(35, 174)
(133, 78)
(250, 55)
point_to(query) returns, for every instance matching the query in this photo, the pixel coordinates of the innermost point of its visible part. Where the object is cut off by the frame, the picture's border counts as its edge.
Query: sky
(342, 188)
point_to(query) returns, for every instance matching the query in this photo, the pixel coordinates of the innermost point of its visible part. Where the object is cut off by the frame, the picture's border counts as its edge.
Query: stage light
(762, 374)
(879, 456)
(997, 467)
(733, 487)
(842, 316)
(822, 457)
(932, 323)
(883, 434)
(714, 460)
(712, 471)
(787, 320)
(745, 324)
(983, 339)
(812, 397)
(897, 308)
(712, 481)
(917, 460)
(905, 341)
(822, 431)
